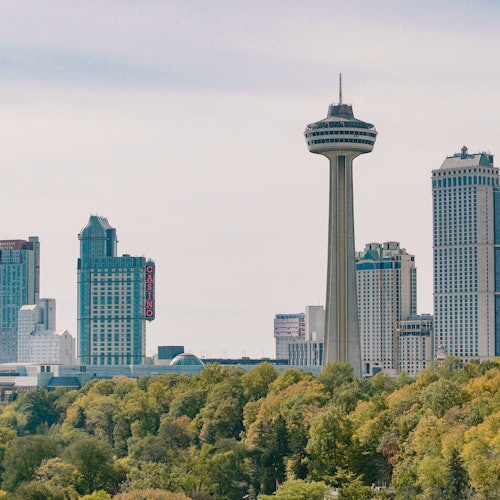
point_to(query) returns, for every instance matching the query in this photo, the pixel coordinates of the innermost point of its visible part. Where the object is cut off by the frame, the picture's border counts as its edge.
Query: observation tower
(341, 137)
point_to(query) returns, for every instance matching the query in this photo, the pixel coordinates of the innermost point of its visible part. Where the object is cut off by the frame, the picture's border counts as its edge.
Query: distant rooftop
(186, 359)
(464, 159)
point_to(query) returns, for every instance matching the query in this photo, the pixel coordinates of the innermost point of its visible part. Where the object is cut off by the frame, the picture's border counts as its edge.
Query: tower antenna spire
(340, 89)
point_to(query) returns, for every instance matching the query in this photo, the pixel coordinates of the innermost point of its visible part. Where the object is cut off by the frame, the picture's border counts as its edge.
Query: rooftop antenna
(340, 89)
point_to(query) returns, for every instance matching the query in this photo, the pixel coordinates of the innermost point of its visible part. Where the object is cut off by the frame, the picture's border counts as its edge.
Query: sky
(182, 122)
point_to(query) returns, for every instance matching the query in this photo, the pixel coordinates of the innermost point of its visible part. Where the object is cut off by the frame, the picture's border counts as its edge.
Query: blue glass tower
(19, 285)
(115, 298)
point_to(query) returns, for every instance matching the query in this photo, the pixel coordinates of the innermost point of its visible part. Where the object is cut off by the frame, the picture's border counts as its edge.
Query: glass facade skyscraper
(115, 298)
(466, 246)
(19, 285)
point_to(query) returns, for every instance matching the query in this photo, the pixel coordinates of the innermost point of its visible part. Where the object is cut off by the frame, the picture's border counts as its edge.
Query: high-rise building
(387, 293)
(116, 295)
(19, 285)
(415, 344)
(341, 138)
(38, 340)
(31, 318)
(299, 337)
(288, 328)
(466, 245)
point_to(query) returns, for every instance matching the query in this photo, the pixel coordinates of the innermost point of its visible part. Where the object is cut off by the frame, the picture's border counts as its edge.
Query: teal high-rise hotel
(116, 296)
(19, 286)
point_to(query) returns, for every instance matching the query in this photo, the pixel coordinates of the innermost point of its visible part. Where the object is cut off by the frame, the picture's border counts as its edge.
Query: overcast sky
(182, 122)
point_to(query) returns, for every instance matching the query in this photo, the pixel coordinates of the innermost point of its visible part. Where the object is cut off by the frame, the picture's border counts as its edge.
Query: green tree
(188, 403)
(35, 490)
(93, 459)
(355, 490)
(335, 375)
(329, 443)
(23, 456)
(100, 417)
(289, 377)
(213, 374)
(97, 495)
(442, 395)
(60, 475)
(256, 382)
(268, 456)
(298, 489)
(222, 416)
(149, 475)
(228, 470)
(173, 434)
(150, 494)
(456, 478)
(39, 408)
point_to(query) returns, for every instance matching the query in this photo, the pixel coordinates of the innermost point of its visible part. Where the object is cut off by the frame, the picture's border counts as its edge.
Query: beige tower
(341, 138)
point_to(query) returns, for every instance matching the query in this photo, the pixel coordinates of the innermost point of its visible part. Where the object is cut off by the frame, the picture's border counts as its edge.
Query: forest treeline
(227, 434)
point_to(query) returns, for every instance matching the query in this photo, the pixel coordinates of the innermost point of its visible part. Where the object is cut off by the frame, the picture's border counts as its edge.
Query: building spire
(340, 89)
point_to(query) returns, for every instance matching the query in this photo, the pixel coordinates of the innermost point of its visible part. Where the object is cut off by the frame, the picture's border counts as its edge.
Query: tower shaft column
(341, 329)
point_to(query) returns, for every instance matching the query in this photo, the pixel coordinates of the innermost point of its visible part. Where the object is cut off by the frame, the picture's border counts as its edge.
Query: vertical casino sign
(149, 302)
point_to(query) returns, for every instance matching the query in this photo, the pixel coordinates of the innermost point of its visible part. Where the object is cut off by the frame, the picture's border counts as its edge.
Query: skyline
(100, 105)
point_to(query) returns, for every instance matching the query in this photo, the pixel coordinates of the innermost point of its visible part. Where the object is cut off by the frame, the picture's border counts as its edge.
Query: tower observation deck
(341, 137)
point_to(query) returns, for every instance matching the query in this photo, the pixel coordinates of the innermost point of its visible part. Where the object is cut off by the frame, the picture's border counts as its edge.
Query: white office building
(466, 245)
(38, 341)
(387, 293)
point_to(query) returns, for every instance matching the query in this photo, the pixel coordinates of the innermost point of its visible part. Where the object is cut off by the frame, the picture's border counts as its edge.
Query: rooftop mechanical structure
(341, 137)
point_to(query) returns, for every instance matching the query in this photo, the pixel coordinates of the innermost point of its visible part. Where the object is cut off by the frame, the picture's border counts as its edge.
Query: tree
(39, 408)
(35, 490)
(100, 417)
(456, 477)
(355, 490)
(60, 475)
(442, 395)
(213, 374)
(222, 415)
(297, 489)
(150, 494)
(329, 443)
(334, 375)
(93, 459)
(289, 377)
(481, 454)
(269, 455)
(228, 470)
(188, 403)
(173, 434)
(23, 456)
(149, 475)
(97, 495)
(257, 381)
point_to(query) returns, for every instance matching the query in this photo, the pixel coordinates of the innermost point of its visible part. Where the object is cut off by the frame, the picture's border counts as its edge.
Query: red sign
(149, 311)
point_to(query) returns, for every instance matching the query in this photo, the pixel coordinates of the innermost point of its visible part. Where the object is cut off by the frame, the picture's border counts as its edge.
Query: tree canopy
(226, 434)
